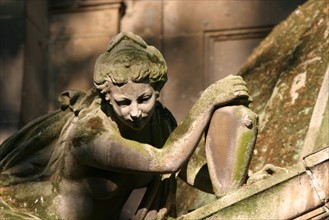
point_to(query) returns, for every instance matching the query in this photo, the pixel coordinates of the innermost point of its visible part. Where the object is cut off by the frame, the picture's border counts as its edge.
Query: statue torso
(99, 185)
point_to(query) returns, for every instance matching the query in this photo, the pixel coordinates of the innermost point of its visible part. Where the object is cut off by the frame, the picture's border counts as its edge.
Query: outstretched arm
(108, 150)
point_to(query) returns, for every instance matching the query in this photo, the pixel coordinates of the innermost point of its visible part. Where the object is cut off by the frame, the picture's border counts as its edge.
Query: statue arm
(195, 171)
(183, 141)
(108, 150)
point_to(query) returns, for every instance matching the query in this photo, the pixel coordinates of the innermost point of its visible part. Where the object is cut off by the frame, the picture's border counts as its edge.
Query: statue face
(133, 103)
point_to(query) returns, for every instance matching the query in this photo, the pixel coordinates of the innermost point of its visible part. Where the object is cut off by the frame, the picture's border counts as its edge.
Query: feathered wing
(25, 155)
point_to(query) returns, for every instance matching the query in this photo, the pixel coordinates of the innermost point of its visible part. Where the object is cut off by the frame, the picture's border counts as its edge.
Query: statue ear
(108, 98)
(157, 95)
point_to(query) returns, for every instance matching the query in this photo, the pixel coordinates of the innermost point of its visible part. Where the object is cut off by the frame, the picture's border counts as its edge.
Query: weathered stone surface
(317, 135)
(197, 65)
(284, 195)
(230, 141)
(27, 201)
(90, 154)
(187, 68)
(284, 75)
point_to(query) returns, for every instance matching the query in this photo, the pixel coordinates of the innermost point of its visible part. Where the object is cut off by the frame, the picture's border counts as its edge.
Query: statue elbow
(171, 166)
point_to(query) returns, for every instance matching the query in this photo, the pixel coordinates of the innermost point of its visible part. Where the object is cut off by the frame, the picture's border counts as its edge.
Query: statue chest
(105, 184)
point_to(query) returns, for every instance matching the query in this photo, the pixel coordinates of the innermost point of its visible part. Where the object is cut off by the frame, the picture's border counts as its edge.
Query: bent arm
(102, 146)
(195, 171)
(106, 149)
(183, 141)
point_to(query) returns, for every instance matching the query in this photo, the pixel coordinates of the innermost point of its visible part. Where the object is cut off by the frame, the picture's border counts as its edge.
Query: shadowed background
(50, 46)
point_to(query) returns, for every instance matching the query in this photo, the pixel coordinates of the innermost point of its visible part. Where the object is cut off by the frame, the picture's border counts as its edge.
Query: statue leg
(230, 142)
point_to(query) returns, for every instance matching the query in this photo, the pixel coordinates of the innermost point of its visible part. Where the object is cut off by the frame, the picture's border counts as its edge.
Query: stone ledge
(276, 196)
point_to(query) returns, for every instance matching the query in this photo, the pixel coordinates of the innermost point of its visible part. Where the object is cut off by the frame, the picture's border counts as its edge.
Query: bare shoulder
(90, 123)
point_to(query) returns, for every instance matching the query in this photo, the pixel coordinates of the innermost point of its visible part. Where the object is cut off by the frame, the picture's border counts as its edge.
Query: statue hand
(230, 89)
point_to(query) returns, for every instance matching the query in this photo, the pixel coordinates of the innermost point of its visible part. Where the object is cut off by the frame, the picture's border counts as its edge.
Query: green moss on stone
(323, 138)
(242, 156)
(299, 45)
(250, 207)
(27, 201)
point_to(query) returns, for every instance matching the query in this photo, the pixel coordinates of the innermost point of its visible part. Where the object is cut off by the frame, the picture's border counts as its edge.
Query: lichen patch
(298, 83)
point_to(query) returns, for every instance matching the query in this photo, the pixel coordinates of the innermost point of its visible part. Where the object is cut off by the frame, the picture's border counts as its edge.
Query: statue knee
(237, 114)
(231, 123)
(230, 142)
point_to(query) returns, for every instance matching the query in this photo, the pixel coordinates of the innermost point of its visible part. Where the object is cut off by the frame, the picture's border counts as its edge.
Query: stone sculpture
(84, 160)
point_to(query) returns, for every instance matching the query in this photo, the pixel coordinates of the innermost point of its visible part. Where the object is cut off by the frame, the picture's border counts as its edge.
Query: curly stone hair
(129, 58)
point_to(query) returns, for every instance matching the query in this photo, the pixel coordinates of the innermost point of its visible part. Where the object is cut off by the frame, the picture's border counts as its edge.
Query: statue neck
(144, 135)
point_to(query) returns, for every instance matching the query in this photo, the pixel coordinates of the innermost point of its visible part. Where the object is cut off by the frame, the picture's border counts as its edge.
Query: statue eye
(123, 102)
(144, 98)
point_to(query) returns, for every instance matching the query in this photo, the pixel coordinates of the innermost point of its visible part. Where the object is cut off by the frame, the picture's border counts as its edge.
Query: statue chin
(136, 125)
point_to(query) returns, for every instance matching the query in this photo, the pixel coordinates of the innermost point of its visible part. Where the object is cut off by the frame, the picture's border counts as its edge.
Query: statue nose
(135, 112)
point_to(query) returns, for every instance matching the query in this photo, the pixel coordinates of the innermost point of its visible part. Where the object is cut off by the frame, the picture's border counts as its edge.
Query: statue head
(129, 58)
(130, 75)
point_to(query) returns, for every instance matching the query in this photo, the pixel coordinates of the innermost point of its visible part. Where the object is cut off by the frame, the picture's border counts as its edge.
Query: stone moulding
(278, 196)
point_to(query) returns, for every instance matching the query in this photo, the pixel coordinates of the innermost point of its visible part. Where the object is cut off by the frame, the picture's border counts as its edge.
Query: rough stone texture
(177, 52)
(19, 203)
(181, 30)
(317, 135)
(284, 195)
(284, 75)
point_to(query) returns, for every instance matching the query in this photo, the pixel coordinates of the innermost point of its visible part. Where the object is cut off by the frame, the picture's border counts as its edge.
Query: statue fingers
(240, 87)
(241, 94)
(239, 81)
(230, 79)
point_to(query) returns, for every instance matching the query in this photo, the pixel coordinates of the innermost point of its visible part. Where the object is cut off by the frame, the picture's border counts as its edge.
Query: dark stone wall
(12, 29)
